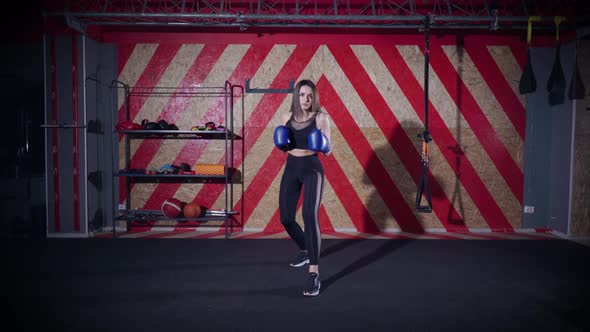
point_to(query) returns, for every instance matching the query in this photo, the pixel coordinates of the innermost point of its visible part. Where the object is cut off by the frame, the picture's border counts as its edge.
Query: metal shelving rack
(227, 217)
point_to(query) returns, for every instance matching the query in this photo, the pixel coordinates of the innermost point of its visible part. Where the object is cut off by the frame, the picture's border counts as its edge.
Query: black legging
(309, 173)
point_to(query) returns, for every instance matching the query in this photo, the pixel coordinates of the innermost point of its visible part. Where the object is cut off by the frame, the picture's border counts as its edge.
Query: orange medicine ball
(192, 210)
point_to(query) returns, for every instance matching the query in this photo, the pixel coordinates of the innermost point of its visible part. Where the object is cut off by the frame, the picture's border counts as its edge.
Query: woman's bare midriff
(301, 152)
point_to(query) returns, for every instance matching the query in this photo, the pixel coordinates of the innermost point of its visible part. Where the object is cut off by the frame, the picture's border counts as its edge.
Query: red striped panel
(274, 224)
(324, 221)
(261, 181)
(124, 51)
(257, 123)
(391, 129)
(501, 89)
(193, 149)
(443, 138)
(150, 76)
(352, 203)
(173, 110)
(481, 126)
(363, 151)
(201, 67)
(261, 116)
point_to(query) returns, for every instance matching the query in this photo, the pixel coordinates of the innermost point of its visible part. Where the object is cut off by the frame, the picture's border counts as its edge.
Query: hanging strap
(530, 27)
(558, 20)
(423, 187)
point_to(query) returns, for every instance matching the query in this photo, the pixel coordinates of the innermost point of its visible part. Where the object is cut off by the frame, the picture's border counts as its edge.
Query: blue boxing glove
(282, 138)
(317, 141)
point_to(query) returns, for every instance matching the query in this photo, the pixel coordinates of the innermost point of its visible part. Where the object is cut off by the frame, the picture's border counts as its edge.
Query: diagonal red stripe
(442, 136)
(391, 129)
(274, 224)
(192, 150)
(176, 106)
(173, 109)
(480, 125)
(262, 181)
(491, 73)
(256, 124)
(363, 151)
(352, 203)
(150, 76)
(324, 220)
(124, 51)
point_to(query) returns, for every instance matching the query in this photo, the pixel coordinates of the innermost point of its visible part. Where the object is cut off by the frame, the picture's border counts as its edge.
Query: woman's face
(305, 97)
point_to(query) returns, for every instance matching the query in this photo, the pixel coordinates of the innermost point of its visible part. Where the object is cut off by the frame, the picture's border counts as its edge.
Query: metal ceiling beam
(380, 14)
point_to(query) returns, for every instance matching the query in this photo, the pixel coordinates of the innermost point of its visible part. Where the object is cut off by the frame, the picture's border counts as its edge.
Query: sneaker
(300, 260)
(312, 284)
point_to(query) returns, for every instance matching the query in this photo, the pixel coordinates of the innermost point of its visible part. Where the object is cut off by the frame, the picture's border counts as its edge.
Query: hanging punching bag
(528, 81)
(556, 82)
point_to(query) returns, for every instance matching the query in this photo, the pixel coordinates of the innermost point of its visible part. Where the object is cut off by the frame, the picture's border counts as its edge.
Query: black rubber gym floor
(247, 285)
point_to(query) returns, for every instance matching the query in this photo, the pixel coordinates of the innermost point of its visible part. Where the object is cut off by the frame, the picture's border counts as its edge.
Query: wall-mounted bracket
(258, 90)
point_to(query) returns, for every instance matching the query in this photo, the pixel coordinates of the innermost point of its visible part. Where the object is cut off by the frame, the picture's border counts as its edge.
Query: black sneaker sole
(300, 264)
(316, 293)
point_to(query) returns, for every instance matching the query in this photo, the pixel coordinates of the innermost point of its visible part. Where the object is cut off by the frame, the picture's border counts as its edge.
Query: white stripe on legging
(319, 193)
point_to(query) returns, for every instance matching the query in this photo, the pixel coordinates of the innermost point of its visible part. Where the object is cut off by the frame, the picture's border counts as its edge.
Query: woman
(306, 131)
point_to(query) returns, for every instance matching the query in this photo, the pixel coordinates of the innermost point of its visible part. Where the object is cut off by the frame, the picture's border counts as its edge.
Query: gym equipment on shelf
(222, 174)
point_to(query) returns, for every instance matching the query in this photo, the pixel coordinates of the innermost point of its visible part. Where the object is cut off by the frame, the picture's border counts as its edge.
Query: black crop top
(301, 130)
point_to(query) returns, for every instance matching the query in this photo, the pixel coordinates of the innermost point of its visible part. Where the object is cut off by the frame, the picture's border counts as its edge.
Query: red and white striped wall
(372, 87)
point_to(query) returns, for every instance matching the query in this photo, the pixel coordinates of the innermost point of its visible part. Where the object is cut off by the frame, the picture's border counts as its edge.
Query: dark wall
(22, 193)
(22, 100)
(100, 70)
(86, 176)
(548, 147)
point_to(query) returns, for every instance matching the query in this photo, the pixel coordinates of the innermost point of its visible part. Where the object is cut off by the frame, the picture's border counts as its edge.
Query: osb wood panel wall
(580, 216)
(372, 86)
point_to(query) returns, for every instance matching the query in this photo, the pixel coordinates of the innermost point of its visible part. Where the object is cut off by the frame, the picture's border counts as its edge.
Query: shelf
(157, 215)
(220, 174)
(180, 134)
(233, 177)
